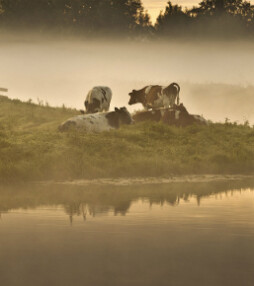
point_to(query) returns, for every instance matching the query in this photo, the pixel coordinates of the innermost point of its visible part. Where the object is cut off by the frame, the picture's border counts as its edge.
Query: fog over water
(217, 79)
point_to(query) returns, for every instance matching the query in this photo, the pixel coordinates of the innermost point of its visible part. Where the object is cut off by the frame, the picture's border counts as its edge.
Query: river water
(162, 234)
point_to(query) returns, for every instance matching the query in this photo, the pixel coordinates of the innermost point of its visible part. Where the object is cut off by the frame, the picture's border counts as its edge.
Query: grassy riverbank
(31, 148)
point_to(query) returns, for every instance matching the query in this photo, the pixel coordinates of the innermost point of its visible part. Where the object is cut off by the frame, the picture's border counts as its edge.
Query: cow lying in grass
(178, 116)
(98, 122)
(98, 99)
(156, 96)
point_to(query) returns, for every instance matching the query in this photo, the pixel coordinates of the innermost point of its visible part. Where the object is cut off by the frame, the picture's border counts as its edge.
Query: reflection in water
(166, 235)
(94, 200)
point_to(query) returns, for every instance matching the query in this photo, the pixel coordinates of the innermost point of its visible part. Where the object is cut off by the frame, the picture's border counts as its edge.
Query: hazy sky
(155, 6)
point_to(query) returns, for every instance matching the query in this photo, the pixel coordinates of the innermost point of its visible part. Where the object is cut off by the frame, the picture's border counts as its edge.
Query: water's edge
(152, 180)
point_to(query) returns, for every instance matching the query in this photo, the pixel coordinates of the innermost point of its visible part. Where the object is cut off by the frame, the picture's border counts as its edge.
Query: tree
(92, 16)
(173, 21)
(216, 18)
(223, 8)
(115, 15)
(225, 17)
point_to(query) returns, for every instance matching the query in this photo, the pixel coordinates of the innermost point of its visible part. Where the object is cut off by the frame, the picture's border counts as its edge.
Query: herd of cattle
(160, 104)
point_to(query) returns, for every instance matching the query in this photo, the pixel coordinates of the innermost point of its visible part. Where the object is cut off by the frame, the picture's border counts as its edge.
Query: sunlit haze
(155, 6)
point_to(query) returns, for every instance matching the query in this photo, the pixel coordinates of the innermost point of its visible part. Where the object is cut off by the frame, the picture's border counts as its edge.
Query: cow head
(124, 115)
(200, 120)
(181, 108)
(94, 106)
(136, 96)
(67, 125)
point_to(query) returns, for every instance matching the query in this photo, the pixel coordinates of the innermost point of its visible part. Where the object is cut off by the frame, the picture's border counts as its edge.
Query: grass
(31, 148)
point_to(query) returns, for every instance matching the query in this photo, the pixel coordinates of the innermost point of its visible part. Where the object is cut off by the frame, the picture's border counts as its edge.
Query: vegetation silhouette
(211, 18)
(87, 16)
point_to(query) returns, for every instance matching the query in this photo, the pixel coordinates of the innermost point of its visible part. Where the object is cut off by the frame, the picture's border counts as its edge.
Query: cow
(178, 116)
(98, 122)
(156, 96)
(98, 99)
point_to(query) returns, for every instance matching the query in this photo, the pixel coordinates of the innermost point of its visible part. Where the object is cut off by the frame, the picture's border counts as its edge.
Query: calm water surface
(175, 234)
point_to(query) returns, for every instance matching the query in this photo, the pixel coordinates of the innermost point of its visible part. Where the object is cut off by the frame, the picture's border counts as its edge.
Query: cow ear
(116, 109)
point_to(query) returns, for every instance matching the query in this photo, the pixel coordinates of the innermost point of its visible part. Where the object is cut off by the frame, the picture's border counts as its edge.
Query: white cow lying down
(98, 99)
(98, 122)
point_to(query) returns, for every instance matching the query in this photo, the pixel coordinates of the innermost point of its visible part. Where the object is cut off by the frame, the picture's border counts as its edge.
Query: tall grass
(32, 148)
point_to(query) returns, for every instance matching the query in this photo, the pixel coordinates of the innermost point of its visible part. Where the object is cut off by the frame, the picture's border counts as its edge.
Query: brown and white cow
(178, 116)
(156, 96)
(98, 122)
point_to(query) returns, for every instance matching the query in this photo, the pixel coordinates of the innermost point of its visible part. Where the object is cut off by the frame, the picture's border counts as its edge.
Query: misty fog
(216, 79)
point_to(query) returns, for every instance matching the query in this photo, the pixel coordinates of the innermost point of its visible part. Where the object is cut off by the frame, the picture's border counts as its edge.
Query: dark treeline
(217, 18)
(87, 16)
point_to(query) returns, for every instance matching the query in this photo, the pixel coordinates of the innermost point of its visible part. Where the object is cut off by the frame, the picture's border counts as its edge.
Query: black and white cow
(156, 96)
(98, 122)
(178, 116)
(98, 99)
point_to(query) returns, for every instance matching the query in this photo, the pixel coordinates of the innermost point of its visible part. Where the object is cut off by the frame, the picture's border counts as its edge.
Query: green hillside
(32, 148)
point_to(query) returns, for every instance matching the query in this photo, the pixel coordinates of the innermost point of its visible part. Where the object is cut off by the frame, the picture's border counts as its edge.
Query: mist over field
(216, 78)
